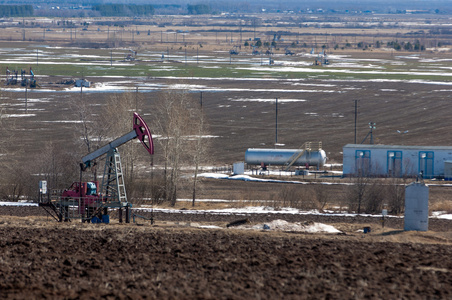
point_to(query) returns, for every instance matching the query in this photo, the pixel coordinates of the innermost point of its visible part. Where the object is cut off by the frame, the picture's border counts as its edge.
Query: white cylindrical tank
(416, 207)
(280, 157)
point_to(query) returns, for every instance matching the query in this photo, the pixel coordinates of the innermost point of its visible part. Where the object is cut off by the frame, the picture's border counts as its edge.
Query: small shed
(239, 168)
(82, 83)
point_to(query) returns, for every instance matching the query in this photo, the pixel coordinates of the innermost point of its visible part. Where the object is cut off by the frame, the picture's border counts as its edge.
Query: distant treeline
(16, 10)
(198, 9)
(167, 6)
(123, 10)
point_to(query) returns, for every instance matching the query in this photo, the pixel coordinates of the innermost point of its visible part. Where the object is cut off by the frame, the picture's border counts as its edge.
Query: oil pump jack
(84, 200)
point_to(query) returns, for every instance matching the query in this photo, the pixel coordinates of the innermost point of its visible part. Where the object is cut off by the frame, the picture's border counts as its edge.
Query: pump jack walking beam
(140, 131)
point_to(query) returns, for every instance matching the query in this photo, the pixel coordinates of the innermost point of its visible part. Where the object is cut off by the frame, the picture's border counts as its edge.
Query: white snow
(18, 115)
(207, 226)
(18, 204)
(282, 225)
(251, 178)
(272, 100)
(441, 215)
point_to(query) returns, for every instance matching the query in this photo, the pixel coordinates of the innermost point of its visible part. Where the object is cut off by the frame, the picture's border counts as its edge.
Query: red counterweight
(143, 133)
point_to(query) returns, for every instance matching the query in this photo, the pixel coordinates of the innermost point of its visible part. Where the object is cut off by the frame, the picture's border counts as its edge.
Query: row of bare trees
(22, 165)
(359, 195)
(371, 195)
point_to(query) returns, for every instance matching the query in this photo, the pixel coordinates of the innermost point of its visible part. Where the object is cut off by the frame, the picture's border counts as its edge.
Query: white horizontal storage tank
(280, 157)
(416, 207)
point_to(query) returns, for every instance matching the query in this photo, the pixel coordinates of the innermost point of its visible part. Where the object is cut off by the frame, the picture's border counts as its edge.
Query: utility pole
(240, 31)
(136, 99)
(372, 126)
(254, 23)
(356, 117)
(276, 122)
(26, 98)
(23, 28)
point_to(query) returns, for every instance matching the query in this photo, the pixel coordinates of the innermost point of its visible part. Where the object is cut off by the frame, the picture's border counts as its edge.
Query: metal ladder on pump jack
(113, 183)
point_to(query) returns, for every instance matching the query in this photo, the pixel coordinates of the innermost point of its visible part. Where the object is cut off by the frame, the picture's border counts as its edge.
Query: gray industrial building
(397, 161)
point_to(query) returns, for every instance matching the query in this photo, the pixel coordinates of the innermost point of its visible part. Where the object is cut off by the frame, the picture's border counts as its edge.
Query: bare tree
(111, 121)
(12, 180)
(357, 191)
(181, 125)
(90, 133)
(56, 166)
(90, 130)
(172, 120)
(7, 125)
(374, 196)
(201, 145)
(117, 117)
(322, 196)
(396, 194)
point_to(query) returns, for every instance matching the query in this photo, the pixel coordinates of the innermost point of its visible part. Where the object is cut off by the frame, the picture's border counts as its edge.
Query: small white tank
(416, 206)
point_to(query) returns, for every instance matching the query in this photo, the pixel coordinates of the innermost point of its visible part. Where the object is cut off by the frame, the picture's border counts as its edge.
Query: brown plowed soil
(40, 259)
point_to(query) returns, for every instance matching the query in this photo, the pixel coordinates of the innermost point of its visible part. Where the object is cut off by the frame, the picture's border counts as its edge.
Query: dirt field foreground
(42, 259)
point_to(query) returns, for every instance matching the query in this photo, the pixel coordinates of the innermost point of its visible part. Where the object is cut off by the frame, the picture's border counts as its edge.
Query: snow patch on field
(282, 225)
(18, 115)
(18, 204)
(267, 100)
(251, 178)
(441, 215)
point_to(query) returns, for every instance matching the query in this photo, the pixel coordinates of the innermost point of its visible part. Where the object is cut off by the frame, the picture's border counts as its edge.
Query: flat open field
(175, 258)
(397, 91)
(317, 106)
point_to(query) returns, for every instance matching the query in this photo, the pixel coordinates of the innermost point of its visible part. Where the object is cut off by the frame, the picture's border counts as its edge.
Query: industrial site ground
(196, 256)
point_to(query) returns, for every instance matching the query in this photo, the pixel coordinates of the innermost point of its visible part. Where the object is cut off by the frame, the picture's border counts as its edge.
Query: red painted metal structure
(84, 200)
(143, 133)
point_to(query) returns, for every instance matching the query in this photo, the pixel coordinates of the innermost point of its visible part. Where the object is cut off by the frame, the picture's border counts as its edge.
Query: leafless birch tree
(181, 126)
